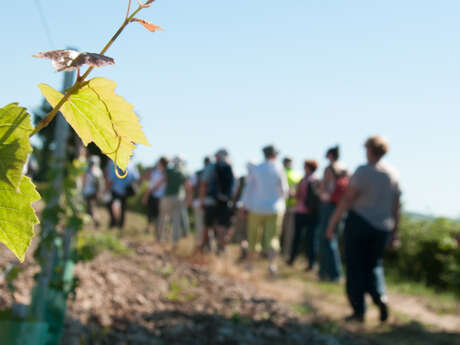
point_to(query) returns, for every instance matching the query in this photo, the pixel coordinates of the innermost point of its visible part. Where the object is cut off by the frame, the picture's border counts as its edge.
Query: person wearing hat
(373, 201)
(265, 199)
(216, 191)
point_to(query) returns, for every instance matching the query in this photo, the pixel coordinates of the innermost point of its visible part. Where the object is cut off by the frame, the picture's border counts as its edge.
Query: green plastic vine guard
(24, 333)
(42, 333)
(48, 306)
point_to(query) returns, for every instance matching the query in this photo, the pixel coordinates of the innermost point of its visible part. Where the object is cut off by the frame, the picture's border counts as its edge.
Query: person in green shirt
(171, 203)
(293, 178)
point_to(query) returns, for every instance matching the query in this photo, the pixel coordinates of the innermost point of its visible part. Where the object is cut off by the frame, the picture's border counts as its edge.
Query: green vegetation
(328, 327)
(17, 217)
(178, 290)
(135, 202)
(429, 254)
(99, 115)
(93, 110)
(91, 245)
(239, 319)
(166, 271)
(440, 302)
(301, 309)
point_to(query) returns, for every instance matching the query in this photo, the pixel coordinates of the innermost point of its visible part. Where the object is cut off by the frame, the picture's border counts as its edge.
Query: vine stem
(129, 7)
(52, 114)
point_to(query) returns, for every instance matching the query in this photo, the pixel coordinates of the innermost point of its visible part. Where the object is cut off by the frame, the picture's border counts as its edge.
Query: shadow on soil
(399, 332)
(412, 333)
(175, 327)
(180, 328)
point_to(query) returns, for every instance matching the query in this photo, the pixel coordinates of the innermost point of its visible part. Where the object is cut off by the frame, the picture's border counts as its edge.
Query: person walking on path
(184, 194)
(198, 212)
(373, 201)
(215, 197)
(171, 205)
(287, 232)
(153, 195)
(93, 181)
(333, 185)
(306, 217)
(120, 189)
(265, 197)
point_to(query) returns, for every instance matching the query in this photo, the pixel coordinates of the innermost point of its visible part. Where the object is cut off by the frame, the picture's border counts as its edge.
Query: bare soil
(156, 295)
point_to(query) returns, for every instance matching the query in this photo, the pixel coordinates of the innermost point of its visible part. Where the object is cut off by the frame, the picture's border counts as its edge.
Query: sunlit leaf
(69, 60)
(17, 217)
(99, 115)
(15, 128)
(149, 26)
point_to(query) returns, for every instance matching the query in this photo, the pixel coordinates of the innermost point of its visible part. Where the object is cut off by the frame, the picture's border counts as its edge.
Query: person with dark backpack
(306, 215)
(215, 196)
(312, 199)
(224, 181)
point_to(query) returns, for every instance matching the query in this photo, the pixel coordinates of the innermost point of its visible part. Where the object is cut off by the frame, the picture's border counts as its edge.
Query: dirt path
(305, 288)
(158, 296)
(414, 308)
(410, 314)
(154, 297)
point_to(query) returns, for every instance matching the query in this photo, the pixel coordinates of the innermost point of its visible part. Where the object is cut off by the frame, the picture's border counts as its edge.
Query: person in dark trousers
(373, 198)
(305, 220)
(120, 189)
(287, 232)
(194, 196)
(92, 186)
(333, 186)
(215, 197)
(153, 195)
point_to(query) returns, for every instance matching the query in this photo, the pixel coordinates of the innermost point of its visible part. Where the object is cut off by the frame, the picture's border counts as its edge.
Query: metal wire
(44, 23)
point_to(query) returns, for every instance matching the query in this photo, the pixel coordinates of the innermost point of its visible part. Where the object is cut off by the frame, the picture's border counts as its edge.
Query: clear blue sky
(302, 74)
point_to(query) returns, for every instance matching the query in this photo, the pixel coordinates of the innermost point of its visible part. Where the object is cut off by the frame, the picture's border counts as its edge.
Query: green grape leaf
(101, 116)
(17, 216)
(15, 128)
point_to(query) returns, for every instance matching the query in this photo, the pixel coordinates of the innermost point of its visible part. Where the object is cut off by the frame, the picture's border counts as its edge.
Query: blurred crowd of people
(272, 209)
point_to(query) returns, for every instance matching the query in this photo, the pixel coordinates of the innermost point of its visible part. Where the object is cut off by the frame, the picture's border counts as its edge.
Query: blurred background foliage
(429, 252)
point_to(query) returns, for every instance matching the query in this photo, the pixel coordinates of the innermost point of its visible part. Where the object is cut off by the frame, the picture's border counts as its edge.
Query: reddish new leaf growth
(129, 7)
(142, 5)
(149, 26)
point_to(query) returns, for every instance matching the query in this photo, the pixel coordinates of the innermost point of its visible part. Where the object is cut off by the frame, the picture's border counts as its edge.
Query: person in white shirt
(265, 199)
